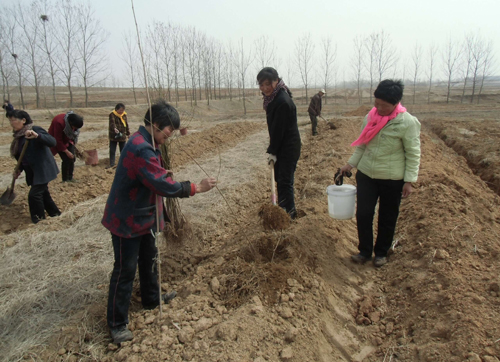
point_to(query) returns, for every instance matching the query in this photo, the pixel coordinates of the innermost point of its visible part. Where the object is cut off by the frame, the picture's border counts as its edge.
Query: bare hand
(206, 184)
(346, 168)
(30, 134)
(407, 190)
(116, 130)
(69, 154)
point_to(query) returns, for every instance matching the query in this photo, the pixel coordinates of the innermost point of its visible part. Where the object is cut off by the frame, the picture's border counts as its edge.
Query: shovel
(273, 185)
(330, 124)
(8, 196)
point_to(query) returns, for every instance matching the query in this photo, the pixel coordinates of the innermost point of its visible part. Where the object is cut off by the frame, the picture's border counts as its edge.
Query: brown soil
(358, 112)
(251, 294)
(274, 217)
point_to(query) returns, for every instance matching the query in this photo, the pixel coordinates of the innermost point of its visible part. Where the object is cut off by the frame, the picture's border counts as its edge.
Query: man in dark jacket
(130, 215)
(65, 128)
(314, 110)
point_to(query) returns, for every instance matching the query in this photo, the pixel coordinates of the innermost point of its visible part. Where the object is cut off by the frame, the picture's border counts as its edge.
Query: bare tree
(451, 56)
(385, 54)
(6, 69)
(129, 58)
(192, 55)
(265, 53)
(242, 62)
(304, 51)
(416, 58)
(230, 56)
(466, 61)
(90, 48)
(289, 71)
(67, 37)
(480, 51)
(357, 64)
(370, 62)
(11, 45)
(48, 46)
(328, 65)
(487, 67)
(432, 51)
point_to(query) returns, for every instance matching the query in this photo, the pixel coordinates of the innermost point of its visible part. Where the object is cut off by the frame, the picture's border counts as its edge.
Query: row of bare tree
(62, 43)
(48, 43)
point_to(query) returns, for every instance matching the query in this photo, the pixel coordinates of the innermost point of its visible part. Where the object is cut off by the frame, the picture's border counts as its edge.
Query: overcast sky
(284, 21)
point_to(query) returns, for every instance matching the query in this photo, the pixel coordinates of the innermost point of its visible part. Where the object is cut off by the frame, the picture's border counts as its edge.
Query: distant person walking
(314, 110)
(284, 137)
(65, 128)
(118, 131)
(140, 182)
(7, 107)
(38, 163)
(387, 157)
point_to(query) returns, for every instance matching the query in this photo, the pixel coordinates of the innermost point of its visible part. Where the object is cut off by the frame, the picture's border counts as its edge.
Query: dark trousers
(39, 200)
(368, 192)
(112, 150)
(284, 173)
(128, 254)
(314, 123)
(68, 164)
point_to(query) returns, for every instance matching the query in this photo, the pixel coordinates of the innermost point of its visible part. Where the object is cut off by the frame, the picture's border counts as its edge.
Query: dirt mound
(358, 112)
(274, 217)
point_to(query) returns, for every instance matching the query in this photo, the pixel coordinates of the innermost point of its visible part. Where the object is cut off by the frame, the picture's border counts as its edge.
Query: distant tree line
(61, 43)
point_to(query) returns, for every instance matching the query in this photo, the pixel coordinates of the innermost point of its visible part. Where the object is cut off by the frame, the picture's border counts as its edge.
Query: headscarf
(17, 136)
(68, 130)
(270, 98)
(375, 123)
(121, 117)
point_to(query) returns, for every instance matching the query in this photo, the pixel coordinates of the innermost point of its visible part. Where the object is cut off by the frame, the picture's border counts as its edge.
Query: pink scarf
(375, 123)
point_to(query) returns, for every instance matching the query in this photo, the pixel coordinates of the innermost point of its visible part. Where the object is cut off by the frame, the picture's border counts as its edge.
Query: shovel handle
(23, 151)
(273, 184)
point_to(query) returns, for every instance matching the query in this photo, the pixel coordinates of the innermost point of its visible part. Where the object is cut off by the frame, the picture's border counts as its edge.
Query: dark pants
(284, 172)
(368, 192)
(112, 150)
(314, 123)
(68, 164)
(128, 254)
(39, 200)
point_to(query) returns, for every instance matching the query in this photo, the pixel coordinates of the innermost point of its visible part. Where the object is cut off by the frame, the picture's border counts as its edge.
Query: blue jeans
(128, 254)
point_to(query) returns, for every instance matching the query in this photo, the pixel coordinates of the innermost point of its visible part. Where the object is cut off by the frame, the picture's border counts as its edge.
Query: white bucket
(341, 200)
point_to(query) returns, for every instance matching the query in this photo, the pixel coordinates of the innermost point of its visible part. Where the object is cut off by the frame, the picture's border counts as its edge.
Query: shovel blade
(8, 197)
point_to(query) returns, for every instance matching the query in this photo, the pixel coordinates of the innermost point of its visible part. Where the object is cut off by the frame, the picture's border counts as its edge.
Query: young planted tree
(11, 43)
(416, 58)
(48, 45)
(6, 69)
(90, 46)
(129, 57)
(466, 62)
(385, 54)
(451, 56)
(229, 69)
(304, 51)
(487, 68)
(480, 51)
(370, 61)
(357, 64)
(328, 64)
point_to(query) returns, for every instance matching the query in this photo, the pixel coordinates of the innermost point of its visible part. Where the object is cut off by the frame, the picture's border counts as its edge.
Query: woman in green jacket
(387, 158)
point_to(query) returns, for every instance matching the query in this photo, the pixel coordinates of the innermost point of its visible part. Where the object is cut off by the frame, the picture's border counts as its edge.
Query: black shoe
(360, 259)
(167, 297)
(121, 334)
(379, 261)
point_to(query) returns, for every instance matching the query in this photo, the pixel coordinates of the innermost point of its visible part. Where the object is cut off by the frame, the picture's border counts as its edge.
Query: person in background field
(140, 182)
(65, 128)
(284, 144)
(38, 163)
(387, 157)
(7, 107)
(118, 131)
(314, 110)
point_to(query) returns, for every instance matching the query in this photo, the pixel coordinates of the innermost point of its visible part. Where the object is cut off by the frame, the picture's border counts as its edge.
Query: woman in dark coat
(118, 131)
(284, 144)
(38, 163)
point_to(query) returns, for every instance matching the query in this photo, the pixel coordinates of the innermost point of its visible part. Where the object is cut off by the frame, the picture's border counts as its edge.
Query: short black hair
(267, 73)
(390, 91)
(19, 114)
(75, 120)
(164, 115)
(119, 105)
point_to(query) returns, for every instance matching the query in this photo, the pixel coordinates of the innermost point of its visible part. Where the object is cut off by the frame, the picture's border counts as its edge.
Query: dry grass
(48, 275)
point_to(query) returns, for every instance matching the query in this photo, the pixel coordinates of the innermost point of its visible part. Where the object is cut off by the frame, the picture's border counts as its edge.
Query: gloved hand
(271, 158)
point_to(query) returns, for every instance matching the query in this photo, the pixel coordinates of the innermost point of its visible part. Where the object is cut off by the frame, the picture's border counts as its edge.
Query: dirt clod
(274, 217)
